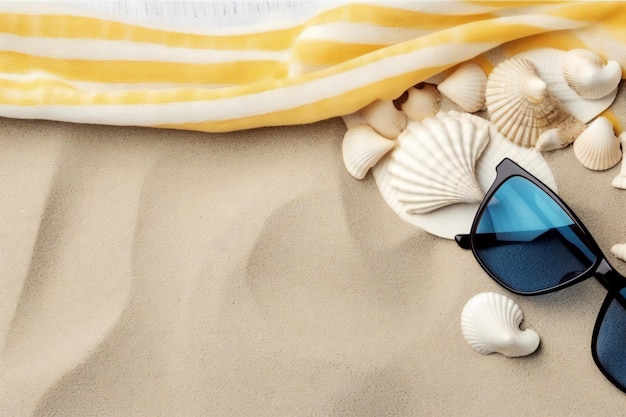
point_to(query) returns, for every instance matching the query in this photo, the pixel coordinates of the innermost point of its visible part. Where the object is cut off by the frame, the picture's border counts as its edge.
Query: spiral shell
(466, 87)
(491, 323)
(561, 136)
(519, 104)
(433, 164)
(384, 118)
(362, 148)
(587, 74)
(597, 147)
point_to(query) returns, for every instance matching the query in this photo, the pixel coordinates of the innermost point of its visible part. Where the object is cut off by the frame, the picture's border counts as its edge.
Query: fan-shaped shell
(587, 74)
(620, 180)
(619, 250)
(422, 101)
(362, 147)
(433, 164)
(384, 118)
(519, 104)
(597, 147)
(466, 87)
(561, 136)
(491, 323)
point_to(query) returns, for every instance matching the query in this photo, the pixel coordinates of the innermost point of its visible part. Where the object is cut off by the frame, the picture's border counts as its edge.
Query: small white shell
(586, 73)
(561, 136)
(491, 323)
(597, 147)
(422, 101)
(619, 250)
(466, 87)
(620, 180)
(519, 104)
(362, 147)
(384, 118)
(433, 164)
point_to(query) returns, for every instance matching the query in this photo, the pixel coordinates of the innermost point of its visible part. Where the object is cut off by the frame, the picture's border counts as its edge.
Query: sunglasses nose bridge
(608, 276)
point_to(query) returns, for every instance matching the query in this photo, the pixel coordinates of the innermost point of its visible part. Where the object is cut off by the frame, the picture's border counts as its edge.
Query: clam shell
(362, 147)
(491, 323)
(422, 101)
(587, 74)
(597, 147)
(619, 250)
(433, 164)
(561, 136)
(384, 118)
(448, 221)
(548, 64)
(620, 180)
(519, 104)
(466, 87)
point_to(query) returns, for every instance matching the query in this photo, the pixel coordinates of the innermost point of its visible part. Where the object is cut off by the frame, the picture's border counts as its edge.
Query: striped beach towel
(62, 60)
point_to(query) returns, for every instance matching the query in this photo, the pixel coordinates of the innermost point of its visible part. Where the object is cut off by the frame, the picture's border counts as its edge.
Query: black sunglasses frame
(601, 269)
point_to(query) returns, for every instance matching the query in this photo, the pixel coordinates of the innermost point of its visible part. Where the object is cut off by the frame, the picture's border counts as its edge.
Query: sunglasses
(528, 240)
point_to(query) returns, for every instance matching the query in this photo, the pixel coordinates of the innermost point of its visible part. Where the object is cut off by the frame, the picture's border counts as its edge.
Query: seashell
(561, 136)
(466, 87)
(362, 147)
(433, 164)
(422, 101)
(447, 221)
(587, 74)
(519, 104)
(548, 64)
(597, 147)
(491, 323)
(619, 250)
(384, 118)
(620, 180)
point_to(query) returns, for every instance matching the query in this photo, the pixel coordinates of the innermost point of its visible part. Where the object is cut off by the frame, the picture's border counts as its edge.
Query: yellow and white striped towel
(61, 62)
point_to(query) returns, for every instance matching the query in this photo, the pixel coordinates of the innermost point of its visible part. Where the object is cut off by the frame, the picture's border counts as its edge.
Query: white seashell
(384, 118)
(619, 250)
(620, 180)
(561, 136)
(548, 64)
(433, 164)
(447, 221)
(362, 147)
(597, 147)
(587, 74)
(466, 87)
(421, 101)
(519, 104)
(491, 323)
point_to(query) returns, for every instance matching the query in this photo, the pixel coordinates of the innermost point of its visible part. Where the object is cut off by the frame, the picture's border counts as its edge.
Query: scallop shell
(466, 87)
(433, 164)
(587, 74)
(620, 180)
(491, 323)
(384, 118)
(619, 250)
(448, 221)
(362, 148)
(561, 136)
(422, 101)
(597, 147)
(519, 104)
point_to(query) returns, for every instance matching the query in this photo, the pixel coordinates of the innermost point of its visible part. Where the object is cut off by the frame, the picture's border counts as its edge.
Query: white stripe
(360, 33)
(101, 50)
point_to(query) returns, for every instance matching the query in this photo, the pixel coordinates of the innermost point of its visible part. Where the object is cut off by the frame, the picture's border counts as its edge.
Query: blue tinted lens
(611, 341)
(528, 241)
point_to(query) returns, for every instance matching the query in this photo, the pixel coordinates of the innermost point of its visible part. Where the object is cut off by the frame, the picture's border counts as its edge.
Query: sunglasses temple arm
(463, 241)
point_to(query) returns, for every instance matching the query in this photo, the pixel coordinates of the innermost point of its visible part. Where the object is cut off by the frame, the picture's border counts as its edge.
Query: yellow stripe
(144, 72)
(564, 40)
(329, 52)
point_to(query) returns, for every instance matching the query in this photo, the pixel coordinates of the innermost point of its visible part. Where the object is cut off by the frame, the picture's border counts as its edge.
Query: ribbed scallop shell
(587, 74)
(597, 147)
(466, 87)
(620, 180)
(518, 102)
(384, 118)
(491, 323)
(422, 101)
(362, 147)
(433, 164)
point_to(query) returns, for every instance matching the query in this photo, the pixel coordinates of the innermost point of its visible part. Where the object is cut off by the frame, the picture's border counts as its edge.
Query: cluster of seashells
(540, 100)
